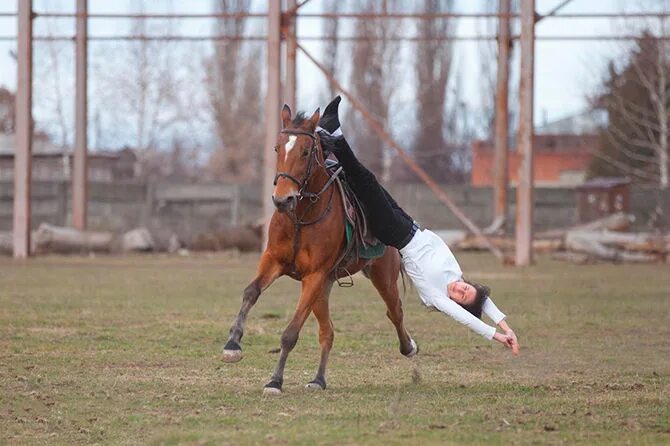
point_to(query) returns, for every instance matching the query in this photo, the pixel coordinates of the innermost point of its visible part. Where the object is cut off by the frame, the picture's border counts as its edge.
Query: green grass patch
(126, 350)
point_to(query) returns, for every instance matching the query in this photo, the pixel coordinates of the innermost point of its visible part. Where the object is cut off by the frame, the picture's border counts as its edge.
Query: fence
(191, 209)
(185, 209)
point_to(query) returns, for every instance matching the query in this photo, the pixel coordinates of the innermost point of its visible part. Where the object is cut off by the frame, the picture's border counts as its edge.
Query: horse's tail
(403, 277)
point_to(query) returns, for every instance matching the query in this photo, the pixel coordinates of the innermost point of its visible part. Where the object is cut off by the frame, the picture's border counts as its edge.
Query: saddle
(360, 242)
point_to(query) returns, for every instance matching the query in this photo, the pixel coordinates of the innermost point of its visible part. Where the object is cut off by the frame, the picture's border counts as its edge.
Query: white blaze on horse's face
(289, 146)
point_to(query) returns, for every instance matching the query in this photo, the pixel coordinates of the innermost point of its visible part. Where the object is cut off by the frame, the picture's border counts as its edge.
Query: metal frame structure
(282, 29)
(24, 129)
(80, 167)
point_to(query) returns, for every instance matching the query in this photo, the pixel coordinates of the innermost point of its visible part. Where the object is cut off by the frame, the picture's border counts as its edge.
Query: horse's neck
(317, 181)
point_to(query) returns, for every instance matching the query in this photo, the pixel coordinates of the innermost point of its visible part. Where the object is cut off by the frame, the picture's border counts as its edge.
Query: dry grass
(126, 351)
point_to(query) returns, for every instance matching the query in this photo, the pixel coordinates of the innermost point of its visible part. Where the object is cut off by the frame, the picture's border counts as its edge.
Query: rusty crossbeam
(627, 37)
(222, 15)
(378, 128)
(553, 11)
(295, 6)
(398, 16)
(447, 15)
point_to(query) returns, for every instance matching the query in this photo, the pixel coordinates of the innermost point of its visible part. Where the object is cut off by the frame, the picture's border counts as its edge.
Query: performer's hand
(512, 341)
(508, 341)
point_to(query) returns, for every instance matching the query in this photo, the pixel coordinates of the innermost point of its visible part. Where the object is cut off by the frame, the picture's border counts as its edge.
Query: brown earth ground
(126, 350)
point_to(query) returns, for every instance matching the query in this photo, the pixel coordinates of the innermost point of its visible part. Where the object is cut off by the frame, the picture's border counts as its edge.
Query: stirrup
(345, 283)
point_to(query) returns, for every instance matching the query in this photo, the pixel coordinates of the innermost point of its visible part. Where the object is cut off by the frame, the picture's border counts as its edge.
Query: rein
(299, 222)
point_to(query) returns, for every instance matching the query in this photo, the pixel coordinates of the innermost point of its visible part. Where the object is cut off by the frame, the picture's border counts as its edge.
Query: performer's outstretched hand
(512, 341)
(509, 340)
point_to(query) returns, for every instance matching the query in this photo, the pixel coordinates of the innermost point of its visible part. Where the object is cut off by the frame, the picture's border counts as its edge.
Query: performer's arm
(491, 310)
(460, 314)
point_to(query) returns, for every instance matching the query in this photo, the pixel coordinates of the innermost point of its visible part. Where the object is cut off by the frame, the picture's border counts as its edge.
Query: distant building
(52, 163)
(587, 122)
(563, 150)
(559, 160)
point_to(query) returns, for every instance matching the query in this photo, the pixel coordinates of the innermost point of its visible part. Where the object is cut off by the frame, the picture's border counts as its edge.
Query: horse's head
(297, 152)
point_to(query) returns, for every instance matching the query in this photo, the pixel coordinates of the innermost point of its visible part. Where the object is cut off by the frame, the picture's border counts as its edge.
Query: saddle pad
(371, 251)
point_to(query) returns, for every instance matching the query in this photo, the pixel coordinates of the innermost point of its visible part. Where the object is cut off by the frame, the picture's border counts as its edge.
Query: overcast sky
(566, 71)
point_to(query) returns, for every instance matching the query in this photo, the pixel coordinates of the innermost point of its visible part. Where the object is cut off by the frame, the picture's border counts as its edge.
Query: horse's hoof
(232, 355)
(232, 352)
(272, 388)
(271, 391)
(415, 349)
(316, 385)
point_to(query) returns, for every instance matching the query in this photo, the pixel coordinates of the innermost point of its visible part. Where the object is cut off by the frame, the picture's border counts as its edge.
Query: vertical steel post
(24, 131)
(291, 49)
(79, 174)
(272, 110)
(500, 169)
(524, 196)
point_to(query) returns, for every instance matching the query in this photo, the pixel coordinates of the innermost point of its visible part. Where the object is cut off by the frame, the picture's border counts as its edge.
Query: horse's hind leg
(268, 271)
(384, 275)
(313, 287)
(326, 336)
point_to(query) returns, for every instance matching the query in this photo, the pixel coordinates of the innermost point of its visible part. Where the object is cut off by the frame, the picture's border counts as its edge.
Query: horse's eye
(305, 153)
(276, 149)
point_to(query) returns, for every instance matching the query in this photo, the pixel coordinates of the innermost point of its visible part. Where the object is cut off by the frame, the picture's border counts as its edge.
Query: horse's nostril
(285, 203)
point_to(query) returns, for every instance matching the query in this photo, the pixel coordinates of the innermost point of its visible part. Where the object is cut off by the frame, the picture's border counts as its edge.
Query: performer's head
(469, 295)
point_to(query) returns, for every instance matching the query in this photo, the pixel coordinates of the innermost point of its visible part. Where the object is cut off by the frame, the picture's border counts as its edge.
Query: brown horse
(306, 240)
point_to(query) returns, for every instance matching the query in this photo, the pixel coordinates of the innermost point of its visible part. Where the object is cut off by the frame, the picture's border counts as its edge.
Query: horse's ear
(313, 121)
(285, 116)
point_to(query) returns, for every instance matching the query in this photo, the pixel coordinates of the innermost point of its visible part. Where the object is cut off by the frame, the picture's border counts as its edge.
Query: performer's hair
(483, 293)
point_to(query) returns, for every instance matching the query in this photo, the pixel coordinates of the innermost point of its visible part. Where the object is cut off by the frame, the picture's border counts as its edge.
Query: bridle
(303, 193)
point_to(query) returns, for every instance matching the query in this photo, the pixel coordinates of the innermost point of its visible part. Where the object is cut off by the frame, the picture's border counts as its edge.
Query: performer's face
(461, 292)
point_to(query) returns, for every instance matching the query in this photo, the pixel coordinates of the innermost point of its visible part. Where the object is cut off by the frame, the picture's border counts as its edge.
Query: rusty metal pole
(500, 166)
(290, 21)
(524, 195)
(79, 174)
(24, 131)
(272, 110)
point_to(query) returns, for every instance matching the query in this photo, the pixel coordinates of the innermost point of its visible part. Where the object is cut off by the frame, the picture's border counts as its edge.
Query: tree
(330, 52)
(235, 98)
(433, 68)
(488, 51)
(373, 81)
(144, 95)
(636, 97)
(7, 100)
(53, 82)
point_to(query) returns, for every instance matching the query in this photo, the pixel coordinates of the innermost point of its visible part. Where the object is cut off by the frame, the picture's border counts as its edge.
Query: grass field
(127, 351)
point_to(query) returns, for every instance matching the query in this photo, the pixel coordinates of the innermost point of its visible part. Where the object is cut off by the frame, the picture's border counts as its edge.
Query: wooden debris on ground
(604, 239)
(55, 239)
(242, 238)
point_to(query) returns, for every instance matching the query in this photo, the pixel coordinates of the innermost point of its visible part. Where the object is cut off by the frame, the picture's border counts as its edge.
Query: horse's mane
(299, 119)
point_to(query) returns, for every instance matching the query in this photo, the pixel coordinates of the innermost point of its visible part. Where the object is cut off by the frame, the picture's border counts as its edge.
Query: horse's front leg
(313, 287)
(268, 270)
(326, 335)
